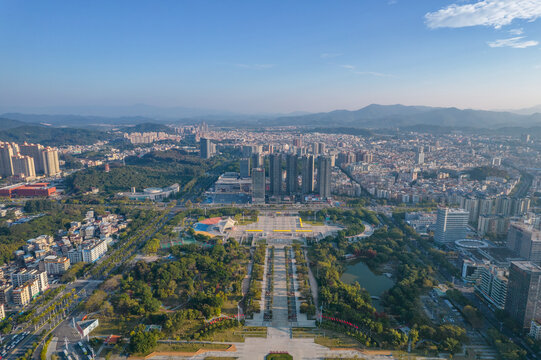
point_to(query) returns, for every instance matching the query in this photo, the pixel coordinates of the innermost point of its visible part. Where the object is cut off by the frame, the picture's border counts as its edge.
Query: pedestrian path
(279, 308)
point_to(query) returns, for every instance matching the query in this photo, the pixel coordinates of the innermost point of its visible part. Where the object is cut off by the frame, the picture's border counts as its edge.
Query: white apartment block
(21, 277)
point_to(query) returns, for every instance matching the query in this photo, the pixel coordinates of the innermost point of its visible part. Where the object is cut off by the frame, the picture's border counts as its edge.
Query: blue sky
(271, 56)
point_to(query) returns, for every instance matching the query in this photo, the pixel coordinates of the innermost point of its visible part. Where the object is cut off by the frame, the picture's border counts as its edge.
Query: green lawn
(279, 357)
(246, 222)
(113, 326)
(230, 305)
(306, 332)
(313, 223)
(236, 334)
(189, 347)
(332, 339)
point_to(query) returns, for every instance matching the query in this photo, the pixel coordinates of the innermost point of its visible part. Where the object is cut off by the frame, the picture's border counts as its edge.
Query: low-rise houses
(51, 256)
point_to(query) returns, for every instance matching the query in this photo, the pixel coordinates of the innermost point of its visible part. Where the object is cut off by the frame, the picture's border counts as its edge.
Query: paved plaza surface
(278, 340)
(279, 330)
(276, 225)
(279, 305)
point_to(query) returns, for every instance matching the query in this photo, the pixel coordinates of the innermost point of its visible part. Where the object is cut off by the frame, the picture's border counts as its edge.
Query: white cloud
(330, 55)
(515, 42)
(372, 73)
(255, 66)
(516, 31)
(354, 70)
(495, 13)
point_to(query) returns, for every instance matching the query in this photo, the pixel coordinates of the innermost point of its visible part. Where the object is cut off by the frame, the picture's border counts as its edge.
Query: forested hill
(52, 136)
(157, 169)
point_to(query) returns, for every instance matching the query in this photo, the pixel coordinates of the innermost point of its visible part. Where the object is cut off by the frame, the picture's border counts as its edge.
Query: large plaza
(282, 227)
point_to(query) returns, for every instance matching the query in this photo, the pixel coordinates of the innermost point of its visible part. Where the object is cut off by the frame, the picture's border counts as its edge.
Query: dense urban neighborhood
(199, 239)
(270, 180)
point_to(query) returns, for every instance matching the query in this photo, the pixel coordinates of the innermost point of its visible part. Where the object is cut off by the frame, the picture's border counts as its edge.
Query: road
(85, 290)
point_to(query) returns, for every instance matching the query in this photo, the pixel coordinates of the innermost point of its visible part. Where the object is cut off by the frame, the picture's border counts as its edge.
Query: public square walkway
(279, 308)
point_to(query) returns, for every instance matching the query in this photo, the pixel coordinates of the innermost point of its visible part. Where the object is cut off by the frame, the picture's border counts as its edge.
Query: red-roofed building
(28, 190)
(211, 221)
(112, 339)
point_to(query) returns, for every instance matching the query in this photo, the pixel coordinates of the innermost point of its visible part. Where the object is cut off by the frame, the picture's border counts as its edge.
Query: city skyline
(270, 57)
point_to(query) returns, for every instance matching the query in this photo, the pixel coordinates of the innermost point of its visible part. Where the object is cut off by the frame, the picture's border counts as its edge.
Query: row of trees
(307, 301)
(251, 300)
(142, 224)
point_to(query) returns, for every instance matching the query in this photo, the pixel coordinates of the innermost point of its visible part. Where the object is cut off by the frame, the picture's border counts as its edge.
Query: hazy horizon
(164, 112)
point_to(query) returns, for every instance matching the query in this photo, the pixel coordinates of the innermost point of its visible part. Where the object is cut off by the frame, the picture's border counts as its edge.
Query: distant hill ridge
(370, 117)
(392, 116)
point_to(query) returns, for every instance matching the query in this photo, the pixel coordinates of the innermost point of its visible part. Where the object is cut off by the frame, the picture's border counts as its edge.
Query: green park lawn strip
(279, 357)
(189, 347)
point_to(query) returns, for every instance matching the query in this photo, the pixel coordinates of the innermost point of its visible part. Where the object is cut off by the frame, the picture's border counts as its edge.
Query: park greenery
(150, 171)
(184, 288)
(395, 244)
(307, 301)
(182, 292)
(155, 169)
(251, 302)
(143, 223)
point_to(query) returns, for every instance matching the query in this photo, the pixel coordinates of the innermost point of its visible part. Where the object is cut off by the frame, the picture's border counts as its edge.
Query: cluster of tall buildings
(515, 288)
(294, 166)
(27, 161)
(493, 207)
(511, 283)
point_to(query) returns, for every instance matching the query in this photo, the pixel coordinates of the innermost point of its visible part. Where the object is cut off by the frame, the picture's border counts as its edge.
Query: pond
(376, 285)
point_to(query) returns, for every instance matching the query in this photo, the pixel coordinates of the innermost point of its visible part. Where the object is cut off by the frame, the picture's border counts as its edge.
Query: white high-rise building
(23, 166)
(50, 161)
(21, 277)
(451, 225)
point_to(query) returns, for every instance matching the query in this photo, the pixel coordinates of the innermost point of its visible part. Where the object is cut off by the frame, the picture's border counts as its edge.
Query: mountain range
(396, 116)
(371, 117)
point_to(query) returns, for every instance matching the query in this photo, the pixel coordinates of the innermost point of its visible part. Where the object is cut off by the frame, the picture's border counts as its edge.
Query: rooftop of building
(527, 266)
(455, 210)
